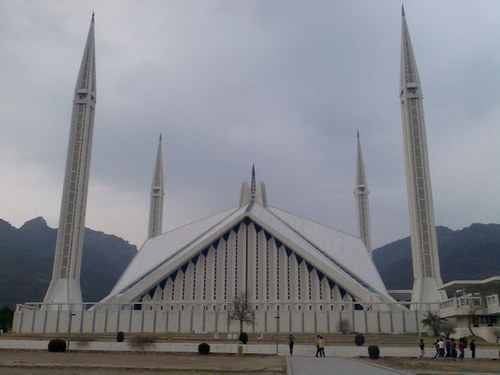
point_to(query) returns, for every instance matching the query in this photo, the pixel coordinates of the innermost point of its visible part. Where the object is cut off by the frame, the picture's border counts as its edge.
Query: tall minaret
(361, 192)
(65, 284)
(426, 272)
(157, 194)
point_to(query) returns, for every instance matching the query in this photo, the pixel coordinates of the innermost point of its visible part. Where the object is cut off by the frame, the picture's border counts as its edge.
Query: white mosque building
(277, 260)
(296, 275)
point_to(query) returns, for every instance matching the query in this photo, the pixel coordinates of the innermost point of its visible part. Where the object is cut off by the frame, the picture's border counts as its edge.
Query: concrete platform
(299, 350)
(334, 366)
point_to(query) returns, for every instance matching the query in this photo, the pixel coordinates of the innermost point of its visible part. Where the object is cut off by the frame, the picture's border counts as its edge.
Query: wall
(112, 320)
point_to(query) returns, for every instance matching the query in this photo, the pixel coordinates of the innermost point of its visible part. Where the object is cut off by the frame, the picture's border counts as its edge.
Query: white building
(271, 256)
(475, 307)
(297, 275)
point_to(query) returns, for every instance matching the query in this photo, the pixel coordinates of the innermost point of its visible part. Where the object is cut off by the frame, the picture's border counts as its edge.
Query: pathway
(334, 366)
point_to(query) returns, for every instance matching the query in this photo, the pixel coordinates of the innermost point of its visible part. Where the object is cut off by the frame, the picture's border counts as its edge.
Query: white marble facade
(269, 255)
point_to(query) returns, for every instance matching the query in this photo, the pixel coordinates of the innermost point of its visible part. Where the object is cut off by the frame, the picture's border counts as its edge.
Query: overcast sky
(283, 84)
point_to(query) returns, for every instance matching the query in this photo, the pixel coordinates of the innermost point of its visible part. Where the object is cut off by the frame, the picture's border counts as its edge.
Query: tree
(241, 311)
(344, 326)
(472, 317)
(6, 318)
(435, 323)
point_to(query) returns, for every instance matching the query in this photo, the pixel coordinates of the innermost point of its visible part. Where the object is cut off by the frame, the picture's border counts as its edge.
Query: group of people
(319, 342)
(448, 347)
(445, 347)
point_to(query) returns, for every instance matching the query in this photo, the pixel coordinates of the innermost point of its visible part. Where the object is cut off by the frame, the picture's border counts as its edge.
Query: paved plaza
(334, 366)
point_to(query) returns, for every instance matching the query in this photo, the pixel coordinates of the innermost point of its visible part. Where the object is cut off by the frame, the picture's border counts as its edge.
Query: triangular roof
(338, 255)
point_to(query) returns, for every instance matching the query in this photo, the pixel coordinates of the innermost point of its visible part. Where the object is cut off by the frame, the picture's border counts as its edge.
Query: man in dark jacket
(472, 347)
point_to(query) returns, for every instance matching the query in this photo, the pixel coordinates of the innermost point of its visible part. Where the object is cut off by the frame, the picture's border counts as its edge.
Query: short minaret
(426, 272)
(157, 194)
(65, 284)
(361, 192)
(253, 184)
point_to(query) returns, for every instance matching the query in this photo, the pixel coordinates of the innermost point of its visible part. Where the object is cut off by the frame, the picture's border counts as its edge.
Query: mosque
(294, 274)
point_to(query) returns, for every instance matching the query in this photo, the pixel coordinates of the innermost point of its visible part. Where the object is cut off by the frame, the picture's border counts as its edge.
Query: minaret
(253, 184)
(157, 194)
(426, 272)
(361, 192)
(65, 284)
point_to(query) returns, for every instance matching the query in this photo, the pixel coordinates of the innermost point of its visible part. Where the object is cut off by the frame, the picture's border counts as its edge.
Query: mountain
(466, 254)
(27, 256)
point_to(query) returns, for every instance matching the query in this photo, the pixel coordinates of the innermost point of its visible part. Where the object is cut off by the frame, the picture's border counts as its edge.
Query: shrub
(57, 345)
(373, 351)
(359, 339)
(243, 337)
(120, 336)
(203, 348)
(142, 341)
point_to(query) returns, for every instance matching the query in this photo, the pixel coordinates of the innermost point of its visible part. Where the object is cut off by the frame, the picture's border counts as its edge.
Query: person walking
(472, 347)
(461, 348)
(421, 345)
(321, 344)
(441, 348)
(454, 349)
(448, 347)
(436, 347)
(291, 341)
(316, 342)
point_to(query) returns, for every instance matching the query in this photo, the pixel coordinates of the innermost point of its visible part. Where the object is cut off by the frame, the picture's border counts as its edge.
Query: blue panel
(184, 267)
(173, 275)
(309, 267)
(257, 228)
(331, 283)
(299, 258)
(320, 275)
(288, 251)
(342, 291)
(195, 259)
(268, 236)
(205, 252)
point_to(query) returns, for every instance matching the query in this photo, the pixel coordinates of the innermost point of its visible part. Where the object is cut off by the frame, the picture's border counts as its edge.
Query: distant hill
(466, 254)
(27, 256)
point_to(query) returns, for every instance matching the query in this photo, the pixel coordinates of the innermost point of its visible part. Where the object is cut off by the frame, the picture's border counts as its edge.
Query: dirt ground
(448, 365)
(46, 363)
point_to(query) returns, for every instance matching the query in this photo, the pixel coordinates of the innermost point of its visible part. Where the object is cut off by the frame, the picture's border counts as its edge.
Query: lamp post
(277, 317)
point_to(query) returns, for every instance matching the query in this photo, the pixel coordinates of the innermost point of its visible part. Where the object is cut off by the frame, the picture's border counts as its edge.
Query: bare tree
(471, 319)
(241, 311)
(344, 326)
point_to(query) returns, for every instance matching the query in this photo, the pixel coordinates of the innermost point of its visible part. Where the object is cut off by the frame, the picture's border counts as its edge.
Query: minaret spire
(157, 194)
(361, 192)
(425, 258)
(65, 284)
(253, 184)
